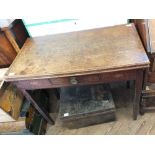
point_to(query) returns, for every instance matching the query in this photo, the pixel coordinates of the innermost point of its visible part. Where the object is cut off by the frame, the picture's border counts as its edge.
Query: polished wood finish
(80, 58)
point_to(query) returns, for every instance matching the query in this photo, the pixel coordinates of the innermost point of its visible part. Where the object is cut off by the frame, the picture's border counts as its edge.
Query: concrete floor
(124, 125)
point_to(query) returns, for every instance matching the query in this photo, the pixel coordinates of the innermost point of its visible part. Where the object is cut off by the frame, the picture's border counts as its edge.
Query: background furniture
(12, 37)
(19, 32)
(7, 51)
(146, 30)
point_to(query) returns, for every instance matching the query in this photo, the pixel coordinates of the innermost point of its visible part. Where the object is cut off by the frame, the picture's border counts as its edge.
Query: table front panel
(77, 80)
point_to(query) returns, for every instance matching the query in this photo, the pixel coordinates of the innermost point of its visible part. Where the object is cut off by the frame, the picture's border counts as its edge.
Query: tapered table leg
(138, 91)
(41, 110)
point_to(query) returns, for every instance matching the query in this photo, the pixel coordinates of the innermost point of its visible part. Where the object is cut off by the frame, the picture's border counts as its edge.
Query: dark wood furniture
(94, 56)
(19, 32)
(146, 30)
(7, 51)
(16, 33)
(12, 37)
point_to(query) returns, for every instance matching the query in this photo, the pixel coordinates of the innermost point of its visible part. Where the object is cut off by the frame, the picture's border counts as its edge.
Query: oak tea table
(94, 56)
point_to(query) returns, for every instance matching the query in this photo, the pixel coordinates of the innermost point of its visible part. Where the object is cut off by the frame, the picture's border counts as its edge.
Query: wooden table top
(79, 53)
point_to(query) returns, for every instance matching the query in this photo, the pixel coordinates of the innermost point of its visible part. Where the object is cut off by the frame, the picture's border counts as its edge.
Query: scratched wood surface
(76, 53)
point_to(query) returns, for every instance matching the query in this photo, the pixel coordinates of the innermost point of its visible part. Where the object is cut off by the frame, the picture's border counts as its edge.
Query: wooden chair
(19, 32)
(146, 30)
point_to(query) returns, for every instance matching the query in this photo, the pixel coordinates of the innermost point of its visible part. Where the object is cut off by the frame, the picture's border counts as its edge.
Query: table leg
(138, 91)
(41, 110)
(141, 110)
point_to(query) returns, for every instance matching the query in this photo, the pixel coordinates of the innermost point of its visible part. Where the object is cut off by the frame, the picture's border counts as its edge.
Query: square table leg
(138, 90)
(40, 109)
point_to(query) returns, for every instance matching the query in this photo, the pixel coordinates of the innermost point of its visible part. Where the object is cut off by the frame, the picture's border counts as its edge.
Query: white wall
(5, 22)
(69, 26)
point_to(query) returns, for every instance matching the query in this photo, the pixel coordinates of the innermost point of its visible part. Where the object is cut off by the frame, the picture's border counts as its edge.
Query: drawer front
(77, 80)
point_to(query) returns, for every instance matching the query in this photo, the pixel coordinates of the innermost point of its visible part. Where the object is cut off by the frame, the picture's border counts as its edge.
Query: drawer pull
(73, 81)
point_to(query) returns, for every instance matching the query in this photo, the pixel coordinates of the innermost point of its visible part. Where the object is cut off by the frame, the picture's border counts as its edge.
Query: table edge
(40, 77)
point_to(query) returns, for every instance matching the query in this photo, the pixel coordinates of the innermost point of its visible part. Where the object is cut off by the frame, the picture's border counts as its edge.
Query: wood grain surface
(77, 53)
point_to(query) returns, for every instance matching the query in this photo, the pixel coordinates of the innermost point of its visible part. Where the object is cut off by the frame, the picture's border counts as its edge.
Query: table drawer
(95, 78)
(77, 80)
(58, 82)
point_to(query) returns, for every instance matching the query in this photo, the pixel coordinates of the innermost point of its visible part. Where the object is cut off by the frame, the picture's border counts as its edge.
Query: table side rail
(76, 80)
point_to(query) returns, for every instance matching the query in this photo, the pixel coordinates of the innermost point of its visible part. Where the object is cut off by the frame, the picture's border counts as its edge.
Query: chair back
(19, 32)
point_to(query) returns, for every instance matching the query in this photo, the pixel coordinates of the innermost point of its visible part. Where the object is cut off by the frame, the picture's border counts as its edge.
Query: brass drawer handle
(73, 80)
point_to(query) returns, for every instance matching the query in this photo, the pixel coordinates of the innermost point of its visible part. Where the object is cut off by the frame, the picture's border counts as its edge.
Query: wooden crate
(35, 123)
(86, 105)
(11, 100)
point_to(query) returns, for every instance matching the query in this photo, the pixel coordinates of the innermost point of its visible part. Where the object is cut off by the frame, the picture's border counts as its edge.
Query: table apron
(76, 80)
